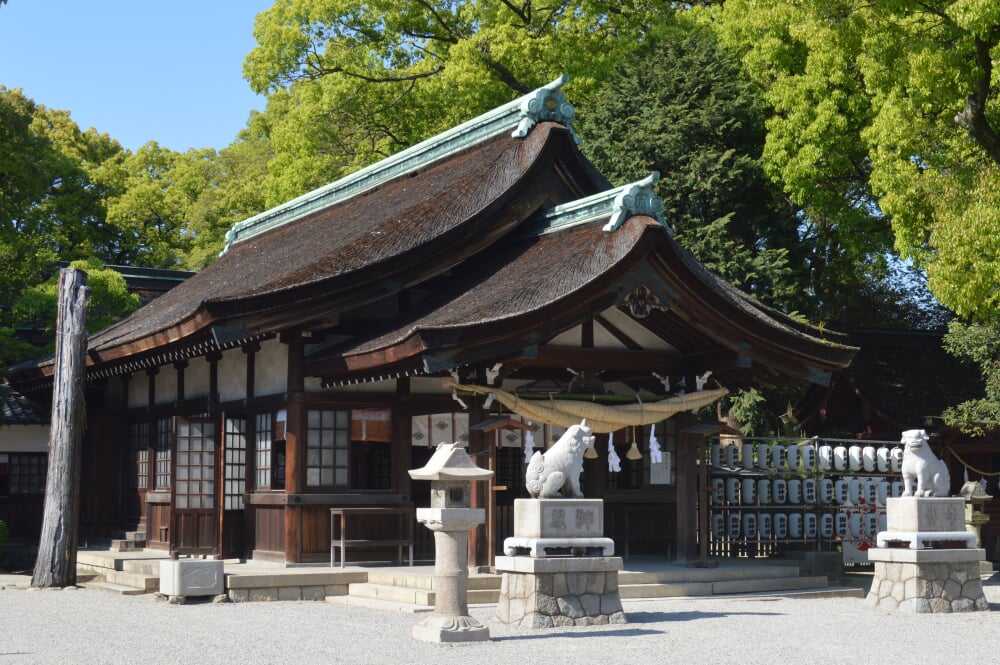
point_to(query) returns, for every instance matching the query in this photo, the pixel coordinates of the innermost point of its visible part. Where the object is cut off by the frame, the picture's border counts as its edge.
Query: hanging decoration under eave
(601, 418)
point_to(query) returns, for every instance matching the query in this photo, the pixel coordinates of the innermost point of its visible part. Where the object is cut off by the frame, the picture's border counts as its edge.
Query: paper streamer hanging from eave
(601, 418)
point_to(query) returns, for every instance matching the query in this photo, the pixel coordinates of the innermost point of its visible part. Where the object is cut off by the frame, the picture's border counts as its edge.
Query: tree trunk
(56, 562)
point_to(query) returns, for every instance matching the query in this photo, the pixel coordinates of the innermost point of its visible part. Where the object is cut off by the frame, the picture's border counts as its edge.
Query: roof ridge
(618, 203)
(545, 103)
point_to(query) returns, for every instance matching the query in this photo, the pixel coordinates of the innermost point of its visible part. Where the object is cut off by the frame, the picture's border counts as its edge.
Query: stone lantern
(450, 516)
(975, 499)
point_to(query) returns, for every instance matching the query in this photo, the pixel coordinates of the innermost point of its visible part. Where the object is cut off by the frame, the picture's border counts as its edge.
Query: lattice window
(195, 465)
(263, 446)
(328, 435)
(510, 470)
(236, 463)
(163, 453)
(139, 441)
(27, 473)
(371, 465)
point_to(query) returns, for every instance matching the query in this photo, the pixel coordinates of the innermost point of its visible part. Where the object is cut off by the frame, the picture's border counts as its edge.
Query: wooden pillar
(250, 476)
(478, 443)
(702, 494)
(295, 446)
(402, 453)
(152, 444)
(687, 451)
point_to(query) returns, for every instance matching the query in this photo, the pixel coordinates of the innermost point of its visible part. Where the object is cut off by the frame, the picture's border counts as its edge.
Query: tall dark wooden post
(56, 562)
(295, 447)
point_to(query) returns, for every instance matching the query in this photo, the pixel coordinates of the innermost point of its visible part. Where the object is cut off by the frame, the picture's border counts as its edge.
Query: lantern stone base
(927, 581)
(449, 629)
(553, 592)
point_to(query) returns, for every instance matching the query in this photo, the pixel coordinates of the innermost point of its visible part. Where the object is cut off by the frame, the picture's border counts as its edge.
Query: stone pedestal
(183, 578)
(925, 561)
(558, 527)
(450, 621)
(552, 592)
(559, 570)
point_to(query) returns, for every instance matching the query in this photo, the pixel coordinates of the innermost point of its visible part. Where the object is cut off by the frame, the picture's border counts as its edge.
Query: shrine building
(487, 285)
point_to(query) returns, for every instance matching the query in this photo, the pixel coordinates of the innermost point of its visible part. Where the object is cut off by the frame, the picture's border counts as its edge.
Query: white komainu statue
(921, 466)
(556, 472)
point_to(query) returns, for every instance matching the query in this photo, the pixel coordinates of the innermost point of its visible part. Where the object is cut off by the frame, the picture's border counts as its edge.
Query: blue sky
(139, 71)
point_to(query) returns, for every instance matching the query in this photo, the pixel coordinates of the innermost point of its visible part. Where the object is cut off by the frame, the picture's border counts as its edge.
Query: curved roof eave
(765, 335)
(493, 189)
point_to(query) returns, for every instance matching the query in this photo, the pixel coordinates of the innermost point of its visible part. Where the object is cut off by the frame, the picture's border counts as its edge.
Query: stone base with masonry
(926, 585)
(920, 566)
(554, 592)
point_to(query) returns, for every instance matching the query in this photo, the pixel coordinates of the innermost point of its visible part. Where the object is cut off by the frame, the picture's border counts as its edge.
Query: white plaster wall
(196, 378)
(24, 438)
(645, 337)
(271, 368)
(233, 375)
(138, 390)
(166, 385)
(571, 337)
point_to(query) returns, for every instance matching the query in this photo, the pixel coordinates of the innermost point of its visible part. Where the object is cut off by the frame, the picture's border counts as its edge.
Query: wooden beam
(555, 357)
(618, 334)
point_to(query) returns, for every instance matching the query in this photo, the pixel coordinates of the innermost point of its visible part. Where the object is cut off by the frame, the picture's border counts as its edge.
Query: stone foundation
(911, 575)
(548, 593)
(258, 594)
(927, 587)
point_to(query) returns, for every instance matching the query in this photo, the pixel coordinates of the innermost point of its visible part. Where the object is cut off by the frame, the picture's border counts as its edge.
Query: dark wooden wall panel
(158, 526)
(269, 528)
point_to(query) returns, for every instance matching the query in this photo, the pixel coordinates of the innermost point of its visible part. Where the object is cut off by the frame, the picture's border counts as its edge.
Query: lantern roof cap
(450, 462)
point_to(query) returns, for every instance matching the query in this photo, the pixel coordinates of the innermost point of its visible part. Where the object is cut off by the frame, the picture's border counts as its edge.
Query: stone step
(378, 604)
(829, 592)
(416, 597)
(426, 580)
(98, 561)
(143, 566)
(146, 583)
(721, 573)
(121, 545)
(669, 590)
(137, 536)
(396, 594)
(483, 596)
(120, 589)
(773, 584)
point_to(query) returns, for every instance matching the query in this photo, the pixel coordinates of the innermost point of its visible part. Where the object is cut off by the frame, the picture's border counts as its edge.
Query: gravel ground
(95, 627)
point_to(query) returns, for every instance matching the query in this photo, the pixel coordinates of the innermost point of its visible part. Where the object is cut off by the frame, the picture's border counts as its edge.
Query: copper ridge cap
(547, 103)
(619, 203)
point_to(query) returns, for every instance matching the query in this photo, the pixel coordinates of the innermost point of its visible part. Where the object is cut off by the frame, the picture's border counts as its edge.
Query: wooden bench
(338, 531)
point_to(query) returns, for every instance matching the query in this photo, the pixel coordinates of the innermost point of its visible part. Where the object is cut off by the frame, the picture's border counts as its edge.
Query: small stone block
(192, 577)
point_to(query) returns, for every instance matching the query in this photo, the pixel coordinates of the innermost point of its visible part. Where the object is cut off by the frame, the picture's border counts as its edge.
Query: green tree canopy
(887, 111)
(978, 345)
(350, 82)
(50, 206)
(110, 301)
(682, 108)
